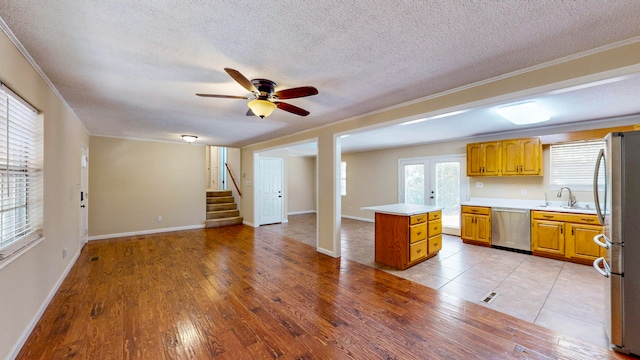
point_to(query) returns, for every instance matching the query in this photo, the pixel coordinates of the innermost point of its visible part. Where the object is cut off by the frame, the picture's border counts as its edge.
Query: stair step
(223, 222)
(221, 207)
(222, 214)
(218, 193)
(219, 199)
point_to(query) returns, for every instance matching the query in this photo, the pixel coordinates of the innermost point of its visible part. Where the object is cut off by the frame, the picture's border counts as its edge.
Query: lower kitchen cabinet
(404, 241)
(565, 236)
(476, 225)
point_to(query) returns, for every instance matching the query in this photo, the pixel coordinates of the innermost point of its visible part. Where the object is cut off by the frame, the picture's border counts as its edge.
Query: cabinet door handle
(572, 230)
(548, 216)
(418, 251)
(419, 232)
(560, 230)
(589, 220)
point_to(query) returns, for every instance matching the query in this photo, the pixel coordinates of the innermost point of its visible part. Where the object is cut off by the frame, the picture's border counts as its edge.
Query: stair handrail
(233, 179)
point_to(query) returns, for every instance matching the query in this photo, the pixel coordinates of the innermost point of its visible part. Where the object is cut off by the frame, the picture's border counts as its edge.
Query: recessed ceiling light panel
(524, 113)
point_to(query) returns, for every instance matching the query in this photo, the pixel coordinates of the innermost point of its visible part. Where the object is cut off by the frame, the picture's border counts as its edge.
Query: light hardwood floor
(243, 293)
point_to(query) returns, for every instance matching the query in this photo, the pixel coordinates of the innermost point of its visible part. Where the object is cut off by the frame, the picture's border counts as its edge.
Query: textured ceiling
(131, 68)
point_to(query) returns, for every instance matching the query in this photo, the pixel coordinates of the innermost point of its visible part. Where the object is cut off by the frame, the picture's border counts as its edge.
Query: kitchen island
(406, 234)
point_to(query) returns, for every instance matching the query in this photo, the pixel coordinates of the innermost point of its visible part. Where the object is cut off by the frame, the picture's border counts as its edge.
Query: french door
(436, 181)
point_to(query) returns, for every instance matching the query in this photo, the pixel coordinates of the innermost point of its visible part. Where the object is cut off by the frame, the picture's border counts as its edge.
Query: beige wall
(132, 182)
(372, 176)
(32, 277)
(618, 61)
(301, 180)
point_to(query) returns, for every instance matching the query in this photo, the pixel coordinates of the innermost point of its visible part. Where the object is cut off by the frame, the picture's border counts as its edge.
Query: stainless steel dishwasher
(511, 229)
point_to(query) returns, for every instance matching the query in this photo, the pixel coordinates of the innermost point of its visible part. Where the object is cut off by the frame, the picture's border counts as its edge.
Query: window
(573, 165)
(20, 173)
(343, 178)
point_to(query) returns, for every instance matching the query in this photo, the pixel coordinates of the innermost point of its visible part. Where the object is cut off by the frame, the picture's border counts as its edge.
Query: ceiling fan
(265, 98)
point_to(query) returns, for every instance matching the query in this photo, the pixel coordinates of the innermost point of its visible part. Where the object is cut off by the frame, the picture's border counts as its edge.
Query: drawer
(435, 244)
(436, 215)
(566, 217)
(417, 219)
(476, 210)
(417, 250)
(417, 232)
(435, 227)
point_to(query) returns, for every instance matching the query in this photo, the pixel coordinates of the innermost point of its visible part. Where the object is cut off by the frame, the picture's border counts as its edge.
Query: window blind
(573, 165)
(20, 173)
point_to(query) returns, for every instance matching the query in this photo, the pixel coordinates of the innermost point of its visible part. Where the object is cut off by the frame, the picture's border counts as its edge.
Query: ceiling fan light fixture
(189, 138)
(529, 112)
(262, 108)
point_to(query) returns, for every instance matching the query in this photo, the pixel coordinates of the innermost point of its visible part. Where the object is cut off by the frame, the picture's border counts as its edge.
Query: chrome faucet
(571, 200)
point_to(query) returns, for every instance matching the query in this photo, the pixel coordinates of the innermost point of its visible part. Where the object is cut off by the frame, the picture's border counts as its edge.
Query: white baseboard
(302, 212)
(358, 218)
(326, 252)
(248, 223)
(25, 334)
(145, 232)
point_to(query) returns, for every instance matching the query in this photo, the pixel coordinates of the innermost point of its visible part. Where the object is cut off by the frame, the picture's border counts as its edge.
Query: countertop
(557, 206)
(402, 209)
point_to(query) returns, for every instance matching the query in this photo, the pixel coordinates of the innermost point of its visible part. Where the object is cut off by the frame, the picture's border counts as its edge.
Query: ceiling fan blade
(250, 113)
(296, 92)
(292, 109)
(224, 96)
(241, 79)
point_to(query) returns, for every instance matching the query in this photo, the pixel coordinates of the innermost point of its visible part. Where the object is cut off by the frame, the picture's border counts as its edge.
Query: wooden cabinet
(403, 241)
(505, 158)
(483, 159)
(565, 236)
(476, 225)
(522, 157)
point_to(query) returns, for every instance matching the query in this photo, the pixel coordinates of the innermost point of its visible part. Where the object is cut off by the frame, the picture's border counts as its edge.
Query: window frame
(21, 175)
(343, 178)
(572, 164)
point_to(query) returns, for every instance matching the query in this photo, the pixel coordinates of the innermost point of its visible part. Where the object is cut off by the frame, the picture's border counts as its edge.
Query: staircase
(221, 209)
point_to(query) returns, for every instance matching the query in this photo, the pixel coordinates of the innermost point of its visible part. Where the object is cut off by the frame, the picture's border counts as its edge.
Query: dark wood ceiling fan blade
(250, 113)
(241, 79)
(291, 108)
(296, 92)
(224, 96)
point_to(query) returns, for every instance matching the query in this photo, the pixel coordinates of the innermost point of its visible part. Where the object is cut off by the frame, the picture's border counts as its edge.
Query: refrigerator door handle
(596, 196)
(596, 265)
(604, 244)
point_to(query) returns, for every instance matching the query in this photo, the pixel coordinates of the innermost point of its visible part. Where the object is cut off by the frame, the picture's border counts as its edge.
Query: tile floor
(562, 296)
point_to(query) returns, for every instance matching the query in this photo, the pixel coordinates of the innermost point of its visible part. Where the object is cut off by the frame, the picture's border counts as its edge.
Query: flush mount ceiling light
(189, 138)
(524, 113)
(262, 108)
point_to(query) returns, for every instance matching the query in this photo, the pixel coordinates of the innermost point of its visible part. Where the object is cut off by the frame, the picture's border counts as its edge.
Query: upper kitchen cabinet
(483, 159)
(521, 157)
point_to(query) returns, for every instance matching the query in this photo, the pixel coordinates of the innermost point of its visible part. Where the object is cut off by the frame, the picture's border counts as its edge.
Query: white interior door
(214, 173)
(84, 203)
(270, 175)
(414, 181)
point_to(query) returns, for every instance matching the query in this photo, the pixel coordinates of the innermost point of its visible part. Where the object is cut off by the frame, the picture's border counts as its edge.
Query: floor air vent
(94, 258)
(489, 297)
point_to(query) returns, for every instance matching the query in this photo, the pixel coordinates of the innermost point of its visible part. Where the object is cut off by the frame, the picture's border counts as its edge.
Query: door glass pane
(414, 184)
(448, 192)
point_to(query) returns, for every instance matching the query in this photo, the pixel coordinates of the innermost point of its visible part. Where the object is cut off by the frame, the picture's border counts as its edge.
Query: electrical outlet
(479, 184)
(64, 253)
(523, 192)
(159, 218)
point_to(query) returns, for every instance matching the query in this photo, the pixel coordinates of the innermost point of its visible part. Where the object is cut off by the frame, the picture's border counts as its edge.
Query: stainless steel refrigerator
(618, 206)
